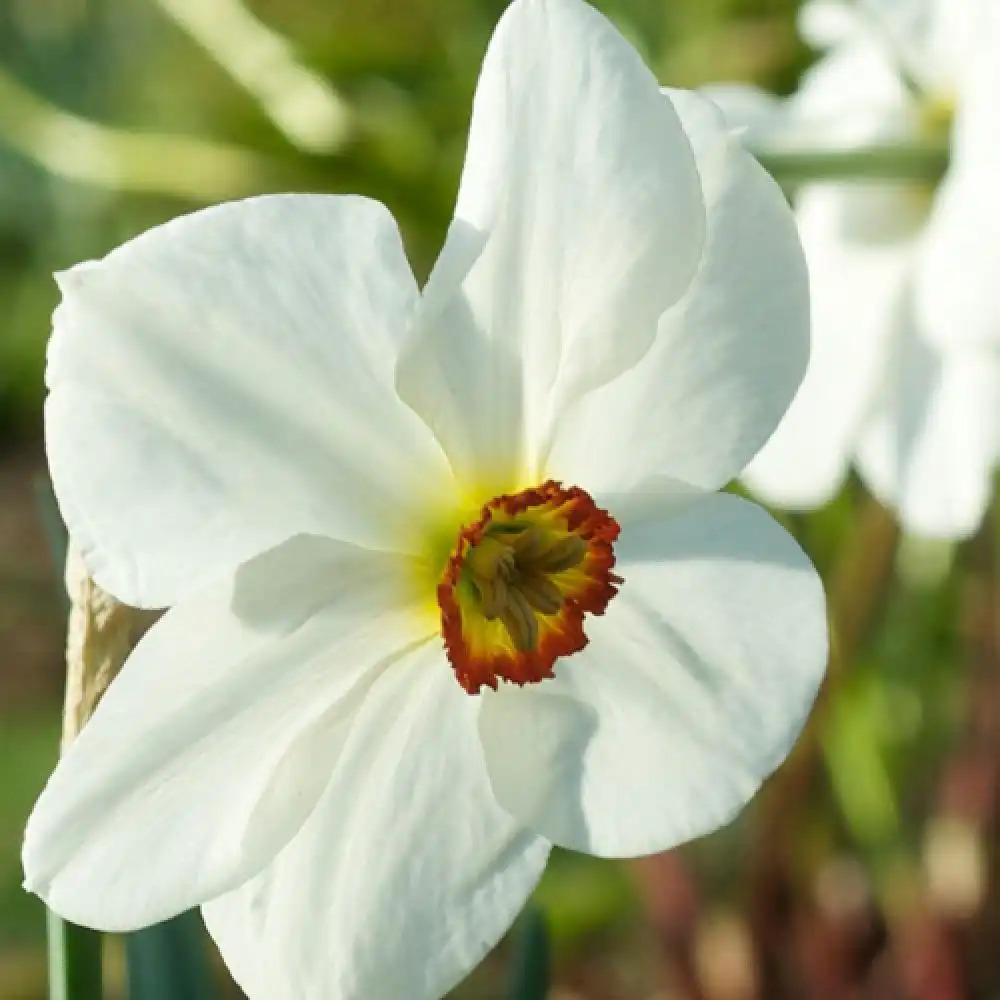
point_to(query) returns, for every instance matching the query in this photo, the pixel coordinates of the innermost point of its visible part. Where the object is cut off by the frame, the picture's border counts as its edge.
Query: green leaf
(168, 961)
(529, 978)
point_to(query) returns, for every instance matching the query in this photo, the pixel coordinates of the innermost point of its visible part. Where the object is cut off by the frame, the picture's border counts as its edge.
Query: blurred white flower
(346, 490)
(904, 378)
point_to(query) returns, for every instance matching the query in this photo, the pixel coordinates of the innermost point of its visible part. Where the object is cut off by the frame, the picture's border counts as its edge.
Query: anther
(493, 595)
(490, 558)
(561, 555)
(528, 544)
(541, 593)
(516, 589)
(510, 572)
(520, 621)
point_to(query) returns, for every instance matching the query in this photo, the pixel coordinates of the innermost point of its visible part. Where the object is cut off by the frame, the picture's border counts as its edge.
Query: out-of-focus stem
(856, 592)
(859, 583)
(790, 167)
(976, 756)
(982, 614)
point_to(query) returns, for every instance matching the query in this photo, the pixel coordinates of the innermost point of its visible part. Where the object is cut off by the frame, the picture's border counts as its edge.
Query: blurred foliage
(29, 743)
(118, 114)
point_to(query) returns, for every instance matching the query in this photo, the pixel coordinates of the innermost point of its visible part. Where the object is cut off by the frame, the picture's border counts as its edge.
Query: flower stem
(920, 163)
(169, 961)
(74, 961)
(529, 978)
(859, 583)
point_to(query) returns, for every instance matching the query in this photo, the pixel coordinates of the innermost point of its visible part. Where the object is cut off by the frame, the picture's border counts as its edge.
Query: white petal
(753, 112)
(954, 36)
(931, 446)
(727, 359)
(823, 23)
(859, 243)
(693, 688)
(854, 96)
(406, 874)
(581, 195)
(225, 381)
(958, 290)
(215, 742)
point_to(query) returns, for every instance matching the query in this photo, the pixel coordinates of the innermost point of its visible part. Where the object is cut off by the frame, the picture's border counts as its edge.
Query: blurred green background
(867, 867)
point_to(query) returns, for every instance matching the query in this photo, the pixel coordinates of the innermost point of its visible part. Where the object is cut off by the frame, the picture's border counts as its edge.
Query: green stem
(529, 979)
(919, 163)
(74, 961)
(169, 961)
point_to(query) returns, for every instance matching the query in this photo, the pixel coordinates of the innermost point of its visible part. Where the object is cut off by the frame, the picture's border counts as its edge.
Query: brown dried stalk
(102, 633)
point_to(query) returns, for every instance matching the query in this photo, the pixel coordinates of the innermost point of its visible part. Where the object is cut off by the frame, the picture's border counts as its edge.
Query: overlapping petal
(215, 742)
(952, 35)
(406, 874)
(225, 381)
(665, 725)
(727, 358)
(852, 97)
(823, 23)
(959, 267)
(755, 114)
(930, 446)
(860, 242)
(579, 221)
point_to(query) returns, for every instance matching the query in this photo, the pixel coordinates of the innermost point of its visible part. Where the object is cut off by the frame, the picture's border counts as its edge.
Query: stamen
(528, 543)
(563, 555)
(491, 557)
(509, 570)
(541, 593)
(520, 622)
(494, 595)
(516, 589)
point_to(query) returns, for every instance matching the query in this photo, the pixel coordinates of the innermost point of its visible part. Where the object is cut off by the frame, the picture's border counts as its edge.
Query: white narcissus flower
(904, 378)
(449, 579)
